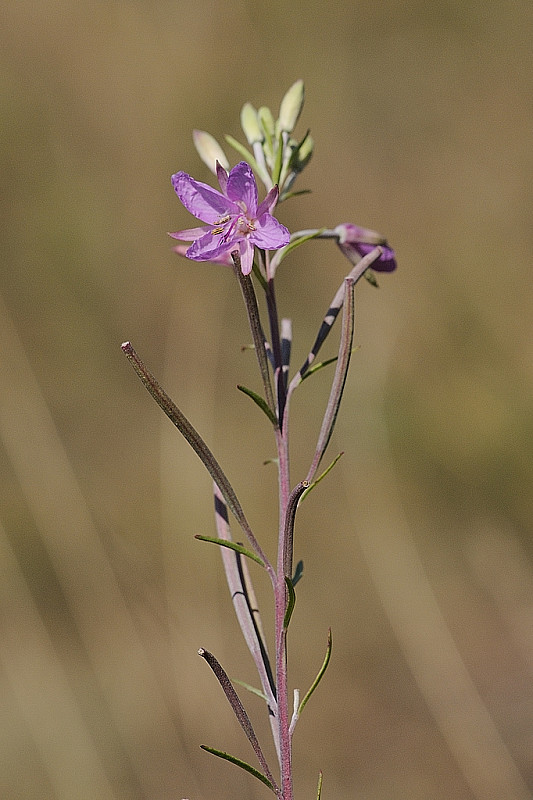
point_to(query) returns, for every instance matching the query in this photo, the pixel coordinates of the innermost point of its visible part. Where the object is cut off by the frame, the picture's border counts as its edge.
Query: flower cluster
(233, 219)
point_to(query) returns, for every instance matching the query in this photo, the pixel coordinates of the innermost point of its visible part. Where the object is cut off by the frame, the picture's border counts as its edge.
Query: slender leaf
(295, 194)
(288, 534)
(320, 477)
(251, 689)
(316, 367)
(295, 242)
(240, 763)
(238, 710)
(232, 546)
(319, 788)
(260, 401)
(242, 151)
(290, 604)
(319, 676)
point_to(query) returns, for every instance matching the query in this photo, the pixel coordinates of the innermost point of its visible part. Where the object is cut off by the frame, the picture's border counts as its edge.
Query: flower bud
(266, 120)
(356, 242)
(291, 106)
(250, 124)
(209, 150)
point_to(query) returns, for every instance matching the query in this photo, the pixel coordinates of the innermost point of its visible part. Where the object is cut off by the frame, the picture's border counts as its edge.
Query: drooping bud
(291, 106)
(250, 124)
(356, 242)
(209, 150)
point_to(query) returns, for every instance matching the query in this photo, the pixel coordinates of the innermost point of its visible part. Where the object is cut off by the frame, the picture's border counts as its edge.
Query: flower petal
(270, 234)
(202, 200)
(385, 263)
(191, 234)
(222, 176)
(247, 256)
(269, 202)
(210, 247)
(242, 188)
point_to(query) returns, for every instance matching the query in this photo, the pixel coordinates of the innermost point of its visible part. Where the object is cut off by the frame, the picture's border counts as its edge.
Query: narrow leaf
(295, 242)
(288, 533)
(242, 150)
(319, 788)
(319, 677)
(232, 546)
(290, 603)
(315, 367)
(251, 689)
(296, 194)
(238, 710)
(320, 477)
(260, 401)
(240, 763)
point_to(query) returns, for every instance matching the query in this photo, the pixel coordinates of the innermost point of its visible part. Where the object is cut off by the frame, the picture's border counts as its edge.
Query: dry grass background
(418, 551)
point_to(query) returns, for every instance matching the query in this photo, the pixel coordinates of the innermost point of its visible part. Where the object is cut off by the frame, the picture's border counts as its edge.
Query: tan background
(417, 549)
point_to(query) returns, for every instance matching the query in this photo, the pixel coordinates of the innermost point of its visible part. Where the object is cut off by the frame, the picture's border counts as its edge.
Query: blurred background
(417, 549)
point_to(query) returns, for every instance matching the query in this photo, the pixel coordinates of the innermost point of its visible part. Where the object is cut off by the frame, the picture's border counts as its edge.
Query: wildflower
(233, 219)
(356, 242)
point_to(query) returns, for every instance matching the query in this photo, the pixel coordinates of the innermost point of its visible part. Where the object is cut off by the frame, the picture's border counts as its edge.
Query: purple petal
(270, 234)
(210, 247)
(202, 200)
(269, 202)
(191, 234)
(222, 176)
(242, 188)
(385, 263)
(247, 256)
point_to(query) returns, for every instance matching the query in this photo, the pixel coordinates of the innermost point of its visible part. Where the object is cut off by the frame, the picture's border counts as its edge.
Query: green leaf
(251, 689)
(319, 787)
(371, 278)
(284, 251)
(315, 367)
(242, 150)
(232, 546)
(239, 763)
(288, 195)
(319, 677)
(260, 401)
(290, 604)
(299, 571)
(323, 475)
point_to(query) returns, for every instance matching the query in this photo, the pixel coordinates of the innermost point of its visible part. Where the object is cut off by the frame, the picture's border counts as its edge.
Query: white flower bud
(291, 106)
(209, 150)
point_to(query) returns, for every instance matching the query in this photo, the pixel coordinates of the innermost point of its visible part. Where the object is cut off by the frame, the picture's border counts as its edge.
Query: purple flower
(234, 220)
(356, 242)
